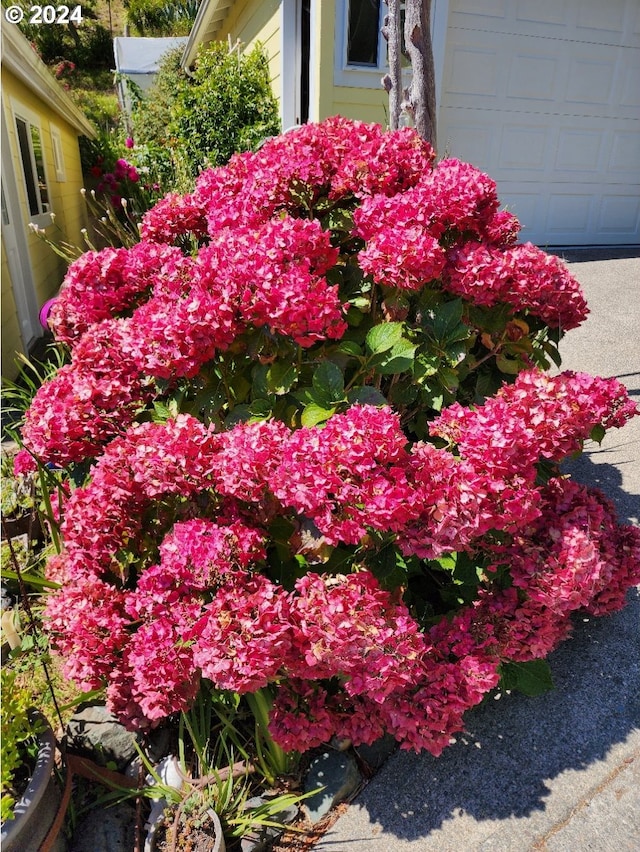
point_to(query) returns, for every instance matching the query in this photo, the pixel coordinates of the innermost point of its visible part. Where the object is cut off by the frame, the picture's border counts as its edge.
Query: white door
(544, 95)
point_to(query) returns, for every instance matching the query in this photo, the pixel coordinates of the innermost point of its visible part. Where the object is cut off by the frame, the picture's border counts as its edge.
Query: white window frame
(42, 218)
(359, 76)
(58, 153)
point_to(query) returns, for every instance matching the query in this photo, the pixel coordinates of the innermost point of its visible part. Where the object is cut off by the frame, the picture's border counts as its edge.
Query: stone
(95, 733)
(156, 747)
(338, 775)
(376, 754)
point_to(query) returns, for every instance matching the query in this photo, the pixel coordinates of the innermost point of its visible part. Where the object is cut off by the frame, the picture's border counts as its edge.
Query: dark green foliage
(531, 678)
(190, 122)
(161, 17)
(229, 107)
(152, 114)
(87, 45)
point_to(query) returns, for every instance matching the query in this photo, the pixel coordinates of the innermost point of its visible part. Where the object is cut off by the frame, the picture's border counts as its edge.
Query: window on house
(361, 51)
(58, 157)
(32, 155)
(363, 41)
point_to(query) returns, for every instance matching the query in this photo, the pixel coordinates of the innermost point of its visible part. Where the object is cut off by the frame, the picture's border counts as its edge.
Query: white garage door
(544, 95)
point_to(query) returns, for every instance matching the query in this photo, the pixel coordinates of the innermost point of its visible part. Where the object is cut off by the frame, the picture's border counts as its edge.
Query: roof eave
(205, 20)
(19, 57)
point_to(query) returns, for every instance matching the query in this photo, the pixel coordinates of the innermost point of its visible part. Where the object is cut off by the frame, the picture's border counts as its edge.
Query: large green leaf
(531, 678)
(281, 377)
(328, 384)
(389, 567)
(446, 322)
(399, 360)
(314, 414)
(383, 337)
(366, 396)
(350, 347)
(260, 408)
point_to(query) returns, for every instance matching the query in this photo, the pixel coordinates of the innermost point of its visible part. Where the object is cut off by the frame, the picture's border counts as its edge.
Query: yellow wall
(254, 21)
(371, 105)
(363, 104)
(47, 269)
(259, 20)
(323, 49)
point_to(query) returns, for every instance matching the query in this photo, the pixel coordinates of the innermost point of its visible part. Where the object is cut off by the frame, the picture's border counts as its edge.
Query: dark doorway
(305, 56)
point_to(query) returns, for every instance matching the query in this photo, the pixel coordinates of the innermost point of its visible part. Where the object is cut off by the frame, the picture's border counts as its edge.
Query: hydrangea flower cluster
(203, 605)
(315, 400)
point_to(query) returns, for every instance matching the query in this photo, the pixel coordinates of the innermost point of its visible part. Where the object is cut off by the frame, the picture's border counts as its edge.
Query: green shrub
(17, 730)
(100, 107)
(189, 122)
(152, 116)
(228, 108)
(162, 18)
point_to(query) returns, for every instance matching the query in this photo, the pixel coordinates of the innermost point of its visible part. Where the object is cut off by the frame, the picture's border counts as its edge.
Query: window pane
(39, 158)
(58, 157)
(25, 153)
(364, 30)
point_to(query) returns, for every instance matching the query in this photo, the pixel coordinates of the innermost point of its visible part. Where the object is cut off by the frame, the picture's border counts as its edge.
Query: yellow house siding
(64, 196)
(368, 105)
(65, 201)
(257, 21)
(11, 340)
(323, 48)
(70, 208)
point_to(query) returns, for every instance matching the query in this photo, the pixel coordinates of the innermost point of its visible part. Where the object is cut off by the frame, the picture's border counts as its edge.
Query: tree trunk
(392, 81)
(420, 97)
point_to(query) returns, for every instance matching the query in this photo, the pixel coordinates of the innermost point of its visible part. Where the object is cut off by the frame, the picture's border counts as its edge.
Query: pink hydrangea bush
(325, 447)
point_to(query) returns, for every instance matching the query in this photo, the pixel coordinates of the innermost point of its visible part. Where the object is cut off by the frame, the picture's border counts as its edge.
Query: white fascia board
(206, 13)
(21, 59)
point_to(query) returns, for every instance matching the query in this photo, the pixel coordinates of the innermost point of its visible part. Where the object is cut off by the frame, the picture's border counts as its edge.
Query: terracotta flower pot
(34, 814)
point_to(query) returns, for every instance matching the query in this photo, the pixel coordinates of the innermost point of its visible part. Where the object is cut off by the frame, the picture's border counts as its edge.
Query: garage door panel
(568, 215)
(572, 149)
(534, 74)
(473, 136)
(468, 140)
(490, 8)
(473, 72)
(590, 81)
(624, 158)
(603, 17)
(522, 147)
(619, 216)
(532, 77)
(578, 151)
(630, 86)
(544, 95)
(591, 21)
(554, 12)
(528, 206)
